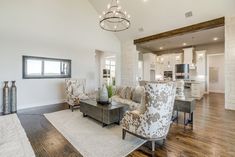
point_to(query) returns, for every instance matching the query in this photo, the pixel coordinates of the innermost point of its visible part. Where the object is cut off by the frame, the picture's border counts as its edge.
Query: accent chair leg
(164, 141)
(153, 146)
(123, 134)
(72, 108)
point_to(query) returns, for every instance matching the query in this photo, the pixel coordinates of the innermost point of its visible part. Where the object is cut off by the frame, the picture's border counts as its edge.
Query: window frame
(42, 76)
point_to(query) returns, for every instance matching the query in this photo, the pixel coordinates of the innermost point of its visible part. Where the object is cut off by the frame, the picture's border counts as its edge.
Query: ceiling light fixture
(215, 38)
(184, 44)
(160, 48)
(114, 19)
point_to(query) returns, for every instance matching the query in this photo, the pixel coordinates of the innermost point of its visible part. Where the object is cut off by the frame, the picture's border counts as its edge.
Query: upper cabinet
(149, 65)
(188, 55)
(178, 58)
(201, 63)
(168, 61)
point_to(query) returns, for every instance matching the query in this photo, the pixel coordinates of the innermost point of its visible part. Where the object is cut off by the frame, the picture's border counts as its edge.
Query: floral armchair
(152, 124)
(75, 91)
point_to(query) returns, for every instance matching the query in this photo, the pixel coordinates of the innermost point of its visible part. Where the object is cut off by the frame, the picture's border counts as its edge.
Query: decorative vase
(6, 95)
(13, 97)
(103, 94)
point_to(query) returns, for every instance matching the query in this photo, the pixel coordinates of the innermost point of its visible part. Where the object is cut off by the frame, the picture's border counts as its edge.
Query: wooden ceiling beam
(184, 30)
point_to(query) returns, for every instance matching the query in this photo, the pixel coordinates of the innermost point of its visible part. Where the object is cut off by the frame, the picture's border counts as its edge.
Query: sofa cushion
(118, 90)
(132, 105)
(128, 93)
(123, 93)
(137, 94)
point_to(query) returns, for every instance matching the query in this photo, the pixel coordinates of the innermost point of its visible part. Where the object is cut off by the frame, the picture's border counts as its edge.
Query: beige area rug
(90, 138)
(13, 139)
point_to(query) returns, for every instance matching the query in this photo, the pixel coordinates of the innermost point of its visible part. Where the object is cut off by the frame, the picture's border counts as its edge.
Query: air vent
(188, 14)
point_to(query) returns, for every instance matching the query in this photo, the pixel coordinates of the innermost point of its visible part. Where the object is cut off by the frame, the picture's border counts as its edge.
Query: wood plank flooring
(213, 134)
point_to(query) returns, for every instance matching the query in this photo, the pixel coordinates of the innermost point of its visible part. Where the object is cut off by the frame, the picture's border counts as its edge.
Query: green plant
(110, 91)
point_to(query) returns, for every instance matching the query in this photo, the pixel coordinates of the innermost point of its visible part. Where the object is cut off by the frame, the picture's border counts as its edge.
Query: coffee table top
(186, 99)
(112, 106)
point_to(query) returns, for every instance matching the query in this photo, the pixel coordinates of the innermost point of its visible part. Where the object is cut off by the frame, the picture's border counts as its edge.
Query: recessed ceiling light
(145, 0)
(161, 48)
(184, 44)
(215, 38)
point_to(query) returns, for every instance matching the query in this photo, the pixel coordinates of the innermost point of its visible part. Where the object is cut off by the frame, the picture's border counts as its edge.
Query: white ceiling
(157, 16)
(190, 39)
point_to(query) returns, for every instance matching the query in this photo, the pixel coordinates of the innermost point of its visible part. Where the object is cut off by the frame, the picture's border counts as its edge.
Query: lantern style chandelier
(114, 18)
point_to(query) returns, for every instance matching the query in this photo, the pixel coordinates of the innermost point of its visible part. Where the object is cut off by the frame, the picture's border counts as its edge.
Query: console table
(187, 106)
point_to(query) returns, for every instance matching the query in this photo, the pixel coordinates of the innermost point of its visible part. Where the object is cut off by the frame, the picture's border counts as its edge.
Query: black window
(41, 67)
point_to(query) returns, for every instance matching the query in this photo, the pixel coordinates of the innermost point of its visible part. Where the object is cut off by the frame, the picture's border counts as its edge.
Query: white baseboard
(228, 107)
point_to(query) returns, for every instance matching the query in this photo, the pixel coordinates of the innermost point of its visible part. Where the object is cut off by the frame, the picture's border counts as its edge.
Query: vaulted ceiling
(150, 17)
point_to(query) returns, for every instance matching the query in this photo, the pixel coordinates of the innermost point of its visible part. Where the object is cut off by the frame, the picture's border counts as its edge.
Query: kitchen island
(195, 89)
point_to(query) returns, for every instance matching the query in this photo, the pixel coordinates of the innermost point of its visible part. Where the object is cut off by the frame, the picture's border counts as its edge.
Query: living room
(71, 33)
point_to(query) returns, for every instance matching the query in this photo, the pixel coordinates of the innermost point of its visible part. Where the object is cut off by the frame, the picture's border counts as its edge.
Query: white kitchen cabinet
(201, 63)
(197, 90)
(178, 58)
(149, 66)
(188, 55)
(168, 62)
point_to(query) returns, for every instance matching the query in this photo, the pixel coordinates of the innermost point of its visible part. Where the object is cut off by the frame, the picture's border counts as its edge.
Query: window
(40, 67)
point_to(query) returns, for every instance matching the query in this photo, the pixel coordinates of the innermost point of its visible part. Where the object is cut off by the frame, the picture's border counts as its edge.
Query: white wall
(230, 62)
(60, 29)
(217, 61)
(129, 64)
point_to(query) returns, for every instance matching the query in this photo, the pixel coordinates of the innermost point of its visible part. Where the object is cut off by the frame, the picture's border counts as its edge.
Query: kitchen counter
(193, 81)
(195, 89)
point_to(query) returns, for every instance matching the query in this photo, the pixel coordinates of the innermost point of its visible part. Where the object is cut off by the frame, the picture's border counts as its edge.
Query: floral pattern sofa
(152, 124)
(132, 96)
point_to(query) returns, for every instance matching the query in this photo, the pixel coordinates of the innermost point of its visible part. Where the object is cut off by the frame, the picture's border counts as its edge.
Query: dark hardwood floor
(213, 134)
(43, 136)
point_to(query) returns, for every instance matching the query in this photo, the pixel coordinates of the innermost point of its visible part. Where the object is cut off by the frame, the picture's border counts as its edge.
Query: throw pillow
(118, 91)
(128, 93)
(123, 93)
(137, 94)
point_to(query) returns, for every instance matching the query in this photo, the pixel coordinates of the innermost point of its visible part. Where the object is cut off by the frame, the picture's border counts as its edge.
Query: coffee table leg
(177, 114)
(104, 125)
(191, 119)
(118, 123)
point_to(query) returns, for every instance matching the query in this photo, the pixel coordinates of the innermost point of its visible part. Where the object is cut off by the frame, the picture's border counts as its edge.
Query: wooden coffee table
(106, 114)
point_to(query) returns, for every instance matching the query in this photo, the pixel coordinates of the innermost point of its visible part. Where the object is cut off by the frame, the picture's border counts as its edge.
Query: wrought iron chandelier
(114, 18)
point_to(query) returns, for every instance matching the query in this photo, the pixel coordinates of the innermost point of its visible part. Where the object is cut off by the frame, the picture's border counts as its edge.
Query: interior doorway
(215, 69)
(105, 62)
